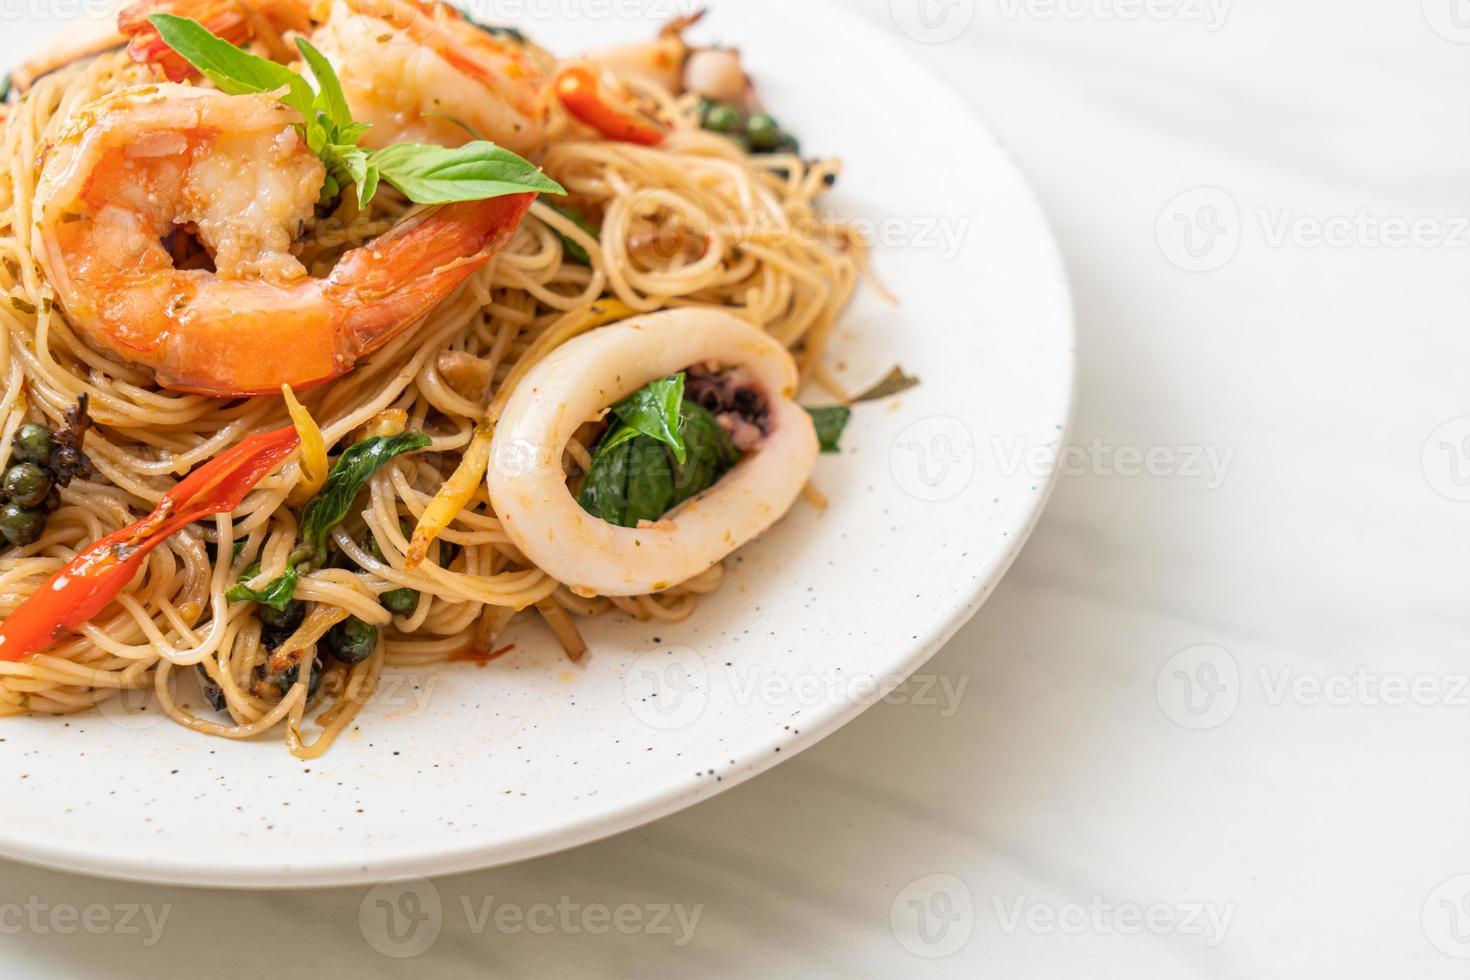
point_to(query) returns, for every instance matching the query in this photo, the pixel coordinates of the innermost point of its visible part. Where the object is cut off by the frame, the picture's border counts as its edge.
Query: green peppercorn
(765, 133)
(722, 119)
(22, 525)
(370, 545)
(282, 622)
(352, 641)
(789, 144)
(400, 602)
(27, 484)
(33, 444)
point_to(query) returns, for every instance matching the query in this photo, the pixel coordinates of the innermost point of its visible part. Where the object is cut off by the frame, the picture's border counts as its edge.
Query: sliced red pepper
(93, 578)
(582, 92)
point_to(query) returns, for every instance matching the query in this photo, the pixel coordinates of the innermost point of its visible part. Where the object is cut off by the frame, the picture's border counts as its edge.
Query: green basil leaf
(352, 132)
(367, 187)
(235, 72)
(650, 482)
(630, 483)
(616, 436)
(329, 99)
(605, 491)
(576, 252)
(892, 384)
(473, 172)
(347, 476)
(277, 594)
(711, 453)
(830, 422)
(350, 165)
(653, 411)
(634, 477)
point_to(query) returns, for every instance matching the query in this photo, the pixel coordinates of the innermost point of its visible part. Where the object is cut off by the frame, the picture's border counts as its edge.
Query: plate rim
(598, 824)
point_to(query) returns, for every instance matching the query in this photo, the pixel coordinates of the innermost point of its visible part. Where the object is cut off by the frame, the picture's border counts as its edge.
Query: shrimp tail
(396, 277)
(146, 47)
(237, 21)
(247, 338)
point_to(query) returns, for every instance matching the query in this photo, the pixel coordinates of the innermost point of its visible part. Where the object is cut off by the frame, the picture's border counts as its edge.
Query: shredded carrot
(457, 492)
(455, 495)
(313, 458)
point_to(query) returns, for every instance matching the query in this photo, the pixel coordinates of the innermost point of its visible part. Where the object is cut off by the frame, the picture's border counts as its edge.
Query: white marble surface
(1302, 833)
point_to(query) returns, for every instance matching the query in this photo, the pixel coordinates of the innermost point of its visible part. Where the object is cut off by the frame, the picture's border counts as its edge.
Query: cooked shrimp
(660, 61)
(528, 486)
(423, 73)
(670, 62)
(237, 21)
(417, 70)
(148, 162)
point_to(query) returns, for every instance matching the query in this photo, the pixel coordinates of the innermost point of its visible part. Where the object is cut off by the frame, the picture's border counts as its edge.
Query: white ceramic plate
(466, 768)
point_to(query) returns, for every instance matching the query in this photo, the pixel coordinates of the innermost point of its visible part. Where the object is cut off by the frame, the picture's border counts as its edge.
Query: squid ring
(528, 485)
